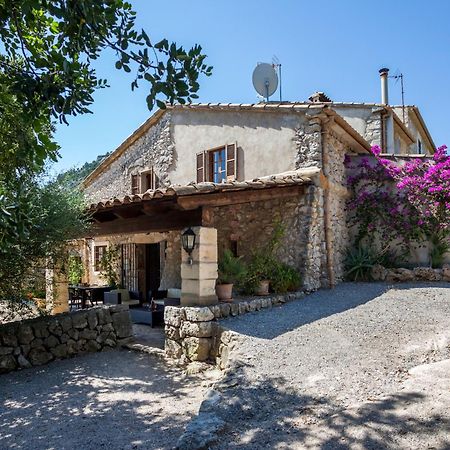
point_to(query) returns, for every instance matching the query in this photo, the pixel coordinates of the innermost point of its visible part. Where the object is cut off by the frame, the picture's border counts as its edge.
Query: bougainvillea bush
(401, 202)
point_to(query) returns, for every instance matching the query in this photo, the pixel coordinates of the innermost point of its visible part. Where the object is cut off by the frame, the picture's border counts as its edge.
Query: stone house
(230, 171)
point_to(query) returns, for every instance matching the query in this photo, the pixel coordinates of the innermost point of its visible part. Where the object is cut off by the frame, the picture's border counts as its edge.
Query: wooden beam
(127, 213)
(170, 220)
(207, 216)
(237, 197)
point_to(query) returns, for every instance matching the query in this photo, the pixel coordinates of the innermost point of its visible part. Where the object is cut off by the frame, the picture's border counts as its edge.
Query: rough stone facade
(153, 149)
(38, 341)
(251, 225)
(308, 141)
(338, 194)
(315, 270)
(194, 334)
(171, 261)
(373, 128)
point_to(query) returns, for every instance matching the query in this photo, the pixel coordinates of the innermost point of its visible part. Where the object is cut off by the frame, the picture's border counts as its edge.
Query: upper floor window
(135, 184)
(218, 164)
(419, 146)
(149, 180)
(144, 181)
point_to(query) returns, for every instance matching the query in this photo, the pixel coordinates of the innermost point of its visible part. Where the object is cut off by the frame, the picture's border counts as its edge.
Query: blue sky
(333, 46)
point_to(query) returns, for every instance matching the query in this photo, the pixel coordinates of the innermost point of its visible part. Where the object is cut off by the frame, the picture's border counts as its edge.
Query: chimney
(384, 86)
(319, 97)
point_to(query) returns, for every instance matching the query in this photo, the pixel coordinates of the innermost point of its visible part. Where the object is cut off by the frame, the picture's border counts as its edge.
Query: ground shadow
(267, 414)
(114, 400)
(268, 324)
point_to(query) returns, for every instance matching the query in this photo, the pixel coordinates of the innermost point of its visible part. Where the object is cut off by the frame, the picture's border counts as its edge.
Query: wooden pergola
(178, 207)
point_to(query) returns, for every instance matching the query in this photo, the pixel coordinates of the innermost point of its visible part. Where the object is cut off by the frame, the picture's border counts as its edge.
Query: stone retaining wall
(194, 334)
(380, 273)
(38, 341)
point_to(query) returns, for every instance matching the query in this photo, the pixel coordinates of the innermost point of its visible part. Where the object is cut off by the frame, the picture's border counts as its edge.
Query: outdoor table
(91, 293)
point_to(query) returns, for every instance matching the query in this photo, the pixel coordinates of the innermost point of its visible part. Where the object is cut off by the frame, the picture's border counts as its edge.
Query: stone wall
(373, 128)
(335, 172)
(194, 334)
(251, 226)
(153, 149)
(380, 273)
(38, 341)
(171, 261)
(308, 141)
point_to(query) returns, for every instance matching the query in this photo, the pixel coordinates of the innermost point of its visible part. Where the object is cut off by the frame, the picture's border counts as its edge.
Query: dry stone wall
(38, 341)
(153, 149)
(380, 273)
(194, 333)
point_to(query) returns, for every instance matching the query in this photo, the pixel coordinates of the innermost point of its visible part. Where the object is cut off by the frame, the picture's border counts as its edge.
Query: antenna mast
(277, 65)
(400, 77)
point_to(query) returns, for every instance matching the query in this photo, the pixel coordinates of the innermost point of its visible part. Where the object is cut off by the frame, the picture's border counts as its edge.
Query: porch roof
(177, 206)
(292, 178)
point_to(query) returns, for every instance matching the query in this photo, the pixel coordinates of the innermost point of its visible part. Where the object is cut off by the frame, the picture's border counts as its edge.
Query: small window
(134, 184)
(217, 165)
(234, 247)
(419, 146)
(99, 251)
(149, 180)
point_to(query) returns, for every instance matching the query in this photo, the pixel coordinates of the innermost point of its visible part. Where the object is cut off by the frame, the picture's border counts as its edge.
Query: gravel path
(364, 366)
(112, 400)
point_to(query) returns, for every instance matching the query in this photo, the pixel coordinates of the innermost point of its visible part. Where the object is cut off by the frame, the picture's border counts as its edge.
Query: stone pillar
(198, 280)
(57, 295)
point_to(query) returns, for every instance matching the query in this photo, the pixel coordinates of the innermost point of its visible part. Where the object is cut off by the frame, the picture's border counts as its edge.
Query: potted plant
(231, 270)
(263, 263)
(259, 273)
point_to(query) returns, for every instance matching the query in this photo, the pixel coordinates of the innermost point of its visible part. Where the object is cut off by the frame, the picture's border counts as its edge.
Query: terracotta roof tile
(286, 179)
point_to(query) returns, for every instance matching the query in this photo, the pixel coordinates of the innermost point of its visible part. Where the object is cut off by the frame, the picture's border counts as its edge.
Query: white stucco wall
(266, 141)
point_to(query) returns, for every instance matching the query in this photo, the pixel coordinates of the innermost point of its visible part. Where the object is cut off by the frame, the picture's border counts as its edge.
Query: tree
(49, 47)
(50, 215)
(46, 53)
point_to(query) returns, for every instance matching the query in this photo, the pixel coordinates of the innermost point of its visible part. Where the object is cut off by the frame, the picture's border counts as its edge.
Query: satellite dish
(265, 80)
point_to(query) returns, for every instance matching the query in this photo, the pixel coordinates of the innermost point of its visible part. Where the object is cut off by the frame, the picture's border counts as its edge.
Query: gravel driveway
(113, 400)
(364, 366)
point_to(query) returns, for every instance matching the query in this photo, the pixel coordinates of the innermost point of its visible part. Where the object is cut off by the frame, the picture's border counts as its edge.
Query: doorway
(153, 268)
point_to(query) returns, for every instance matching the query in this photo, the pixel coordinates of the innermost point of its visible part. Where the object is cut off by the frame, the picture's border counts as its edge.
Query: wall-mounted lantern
(188, 242)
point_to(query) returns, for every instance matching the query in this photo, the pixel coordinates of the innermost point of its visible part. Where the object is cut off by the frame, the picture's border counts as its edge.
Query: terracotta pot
(263, 288)
(224, 292)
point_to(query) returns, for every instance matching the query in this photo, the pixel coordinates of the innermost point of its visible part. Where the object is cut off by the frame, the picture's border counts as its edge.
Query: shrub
(75, 269)
(109, 265)
(284, 278)
(231, 268)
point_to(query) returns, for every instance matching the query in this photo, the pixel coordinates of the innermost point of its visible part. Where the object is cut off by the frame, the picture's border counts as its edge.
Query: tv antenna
(277, 65)
(396, 77)
(265, 80)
